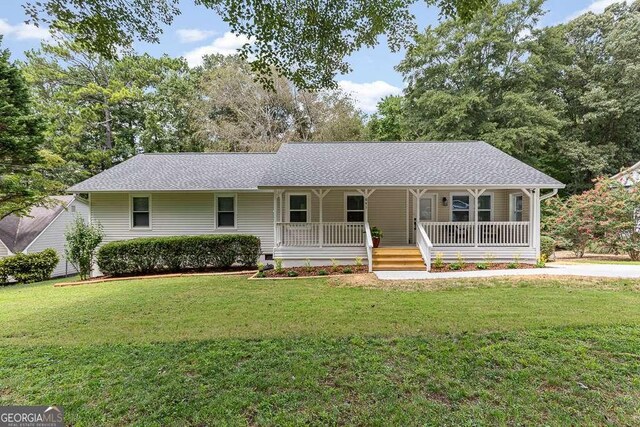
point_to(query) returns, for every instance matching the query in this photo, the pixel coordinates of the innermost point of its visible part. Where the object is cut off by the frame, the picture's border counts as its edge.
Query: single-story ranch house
(317, 202)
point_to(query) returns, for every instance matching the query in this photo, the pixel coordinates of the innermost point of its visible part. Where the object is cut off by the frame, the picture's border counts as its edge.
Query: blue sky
(198, 31)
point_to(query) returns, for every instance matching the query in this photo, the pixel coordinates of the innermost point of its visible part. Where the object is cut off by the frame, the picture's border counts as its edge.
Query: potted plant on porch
(376, 235)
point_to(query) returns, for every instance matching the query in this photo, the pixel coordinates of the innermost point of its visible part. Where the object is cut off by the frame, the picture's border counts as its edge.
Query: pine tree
(21, 184)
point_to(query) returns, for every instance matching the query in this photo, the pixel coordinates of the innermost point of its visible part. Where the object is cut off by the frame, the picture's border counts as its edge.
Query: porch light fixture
(444, 201)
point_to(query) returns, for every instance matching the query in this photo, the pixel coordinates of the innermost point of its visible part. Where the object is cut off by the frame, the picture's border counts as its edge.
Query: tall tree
(21, 183)
(304, 41)
(99, 112)
(386, 124)
(599, 87)
(470, 80)
(235, 113)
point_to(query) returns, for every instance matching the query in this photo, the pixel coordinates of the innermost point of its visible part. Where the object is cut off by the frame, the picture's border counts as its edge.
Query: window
(460, 208)
(517, 203)
(226, 211)
(484, 207)
(355, 208)
(426, 208)
(140, 212)
(298, 208)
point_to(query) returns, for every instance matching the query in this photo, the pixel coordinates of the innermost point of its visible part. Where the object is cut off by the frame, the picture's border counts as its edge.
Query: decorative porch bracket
(320, 194)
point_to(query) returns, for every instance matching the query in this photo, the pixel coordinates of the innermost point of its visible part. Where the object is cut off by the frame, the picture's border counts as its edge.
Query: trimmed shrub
(547, 246)
(27, 268)
(150, 255)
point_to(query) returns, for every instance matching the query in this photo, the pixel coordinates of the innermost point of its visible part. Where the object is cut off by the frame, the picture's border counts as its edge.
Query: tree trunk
(108, 141)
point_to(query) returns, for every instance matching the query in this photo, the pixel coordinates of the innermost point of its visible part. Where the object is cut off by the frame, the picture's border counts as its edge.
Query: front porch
(322, 226)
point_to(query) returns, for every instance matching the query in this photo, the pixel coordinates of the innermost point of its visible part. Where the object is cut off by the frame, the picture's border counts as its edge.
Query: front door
(426, 211)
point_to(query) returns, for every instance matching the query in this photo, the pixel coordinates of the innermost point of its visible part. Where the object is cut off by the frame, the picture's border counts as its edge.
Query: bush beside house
(606, 216)
(27, 268)
(151, 255)
(547, 246)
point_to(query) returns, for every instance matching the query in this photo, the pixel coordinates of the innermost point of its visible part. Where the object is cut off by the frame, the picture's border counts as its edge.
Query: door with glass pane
(426, 210)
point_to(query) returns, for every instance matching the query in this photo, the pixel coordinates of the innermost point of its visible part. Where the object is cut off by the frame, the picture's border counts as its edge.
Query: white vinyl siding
(3, 250)
(175, 214)
(53, 237)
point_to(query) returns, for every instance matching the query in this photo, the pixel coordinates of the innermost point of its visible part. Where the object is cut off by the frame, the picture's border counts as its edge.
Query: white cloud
(23, 31)
(190, 35)
(367, 95)
(596, 6)
(228, 44)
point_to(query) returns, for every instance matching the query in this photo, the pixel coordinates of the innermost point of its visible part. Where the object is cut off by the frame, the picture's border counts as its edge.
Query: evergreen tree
(21, 184)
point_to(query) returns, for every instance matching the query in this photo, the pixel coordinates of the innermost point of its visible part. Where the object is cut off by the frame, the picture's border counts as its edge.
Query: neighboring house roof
(628, 177)
(18, 232)
(472, 163)
(181, 171)
(323, 164)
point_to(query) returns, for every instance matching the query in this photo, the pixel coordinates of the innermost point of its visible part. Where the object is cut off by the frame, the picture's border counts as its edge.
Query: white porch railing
(502, 233)
(369, 245)
(320, 234)
(424, 244)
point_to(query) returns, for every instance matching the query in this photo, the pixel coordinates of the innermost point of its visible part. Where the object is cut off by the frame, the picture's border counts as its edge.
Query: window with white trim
(460, 208)
(484, 207)
(140, 212)
(355, 208)
(298, 208)
(517, 207)
(226, 211)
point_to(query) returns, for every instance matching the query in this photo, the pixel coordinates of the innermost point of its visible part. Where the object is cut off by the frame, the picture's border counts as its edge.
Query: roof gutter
(548, 195)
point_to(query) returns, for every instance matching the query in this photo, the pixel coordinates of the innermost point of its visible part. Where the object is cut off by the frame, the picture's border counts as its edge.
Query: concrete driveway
(619, 271)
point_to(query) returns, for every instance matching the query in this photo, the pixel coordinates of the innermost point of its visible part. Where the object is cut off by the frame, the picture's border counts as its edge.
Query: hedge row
(150, 255)
(27, 268)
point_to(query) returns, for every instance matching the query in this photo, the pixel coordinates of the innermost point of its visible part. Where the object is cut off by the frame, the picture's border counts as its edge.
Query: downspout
(546, 196)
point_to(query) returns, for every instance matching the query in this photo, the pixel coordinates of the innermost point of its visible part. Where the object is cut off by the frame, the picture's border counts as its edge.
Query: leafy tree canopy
(98, 112)
(305, 41)
(562, 98)
(233, 112)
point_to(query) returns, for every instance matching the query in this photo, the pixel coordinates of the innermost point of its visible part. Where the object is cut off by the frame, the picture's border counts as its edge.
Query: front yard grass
(224, 350)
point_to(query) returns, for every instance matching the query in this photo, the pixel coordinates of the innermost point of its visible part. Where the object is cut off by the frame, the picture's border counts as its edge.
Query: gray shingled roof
(472, 163)
(181, 171)
(18, 232)
(340, 164)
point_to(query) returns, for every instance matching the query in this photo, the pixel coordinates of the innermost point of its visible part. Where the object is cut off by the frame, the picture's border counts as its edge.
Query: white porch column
(536, 221)
(529, 194)
(320, 194)
(476, 195)
(277, 194)
(417, 195)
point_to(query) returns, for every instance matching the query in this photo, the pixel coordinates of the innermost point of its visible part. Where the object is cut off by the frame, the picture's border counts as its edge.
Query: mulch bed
(473, 267)
(314, 271)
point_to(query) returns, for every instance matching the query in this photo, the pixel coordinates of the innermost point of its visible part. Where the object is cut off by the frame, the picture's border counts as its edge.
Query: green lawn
(224, 350)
